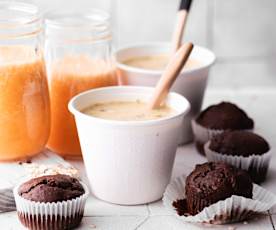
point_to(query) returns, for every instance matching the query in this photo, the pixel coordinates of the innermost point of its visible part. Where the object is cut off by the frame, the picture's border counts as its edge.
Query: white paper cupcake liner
(232, 209)
(256, 164)
(39, 215)
(202, 134)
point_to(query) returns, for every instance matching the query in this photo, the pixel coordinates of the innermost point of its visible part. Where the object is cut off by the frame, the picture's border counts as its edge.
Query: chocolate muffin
(251, 148)
(52, 188)
(239, 143)
(211, 182)
(225, 116)
(218, 118)
(61, 196)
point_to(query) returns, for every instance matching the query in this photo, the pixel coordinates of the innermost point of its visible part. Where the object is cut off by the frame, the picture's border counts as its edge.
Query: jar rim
(16, 13)
(67, 26)
(85, 19)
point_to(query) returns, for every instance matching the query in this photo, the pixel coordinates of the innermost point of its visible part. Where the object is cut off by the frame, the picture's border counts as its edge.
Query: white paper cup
(232, 209)
(128, 162)
(50, 215)
(190, 84)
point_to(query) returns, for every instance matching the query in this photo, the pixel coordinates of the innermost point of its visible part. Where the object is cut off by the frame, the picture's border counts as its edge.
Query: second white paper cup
(190, 83)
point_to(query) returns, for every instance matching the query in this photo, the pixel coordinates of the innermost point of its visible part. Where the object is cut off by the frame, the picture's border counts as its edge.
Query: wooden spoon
(182, 16)
(171, 72)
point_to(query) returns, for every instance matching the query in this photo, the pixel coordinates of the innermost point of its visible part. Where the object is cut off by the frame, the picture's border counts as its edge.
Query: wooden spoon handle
(180, 24)
(171, 72)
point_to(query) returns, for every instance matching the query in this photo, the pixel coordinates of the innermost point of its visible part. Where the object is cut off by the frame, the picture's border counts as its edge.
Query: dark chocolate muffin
(225, 116)
(62, 196)
(51, 188)
(211, 182)
(239, 143)
(245, 144)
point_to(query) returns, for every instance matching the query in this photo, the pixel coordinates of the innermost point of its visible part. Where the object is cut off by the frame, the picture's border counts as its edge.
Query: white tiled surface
(104, 216)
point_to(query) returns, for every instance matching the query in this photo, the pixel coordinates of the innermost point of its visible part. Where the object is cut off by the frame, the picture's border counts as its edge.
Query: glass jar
(24, 98)
(79, 57)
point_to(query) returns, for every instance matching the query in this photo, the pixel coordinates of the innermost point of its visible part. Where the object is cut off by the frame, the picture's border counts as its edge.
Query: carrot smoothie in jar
(24, 96)
(70, 76)
(79, 58)
(24, 103)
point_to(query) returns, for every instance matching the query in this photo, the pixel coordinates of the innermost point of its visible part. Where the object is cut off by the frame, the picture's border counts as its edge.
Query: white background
(242, 33)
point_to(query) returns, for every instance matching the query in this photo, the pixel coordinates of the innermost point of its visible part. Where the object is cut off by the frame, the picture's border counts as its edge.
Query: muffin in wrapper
(51, 215)
(218, 118)
(203, 135)
(232, 209)
(256, 165)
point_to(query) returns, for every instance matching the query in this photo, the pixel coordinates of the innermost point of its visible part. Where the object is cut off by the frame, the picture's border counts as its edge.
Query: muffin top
(217, 181)
(51, 188)
(240, 143)
(225, 116)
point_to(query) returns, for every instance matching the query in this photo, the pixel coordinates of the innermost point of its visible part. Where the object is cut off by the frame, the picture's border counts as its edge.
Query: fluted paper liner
(257, 163)
(232, 209)
(38, 213)
(202, 134)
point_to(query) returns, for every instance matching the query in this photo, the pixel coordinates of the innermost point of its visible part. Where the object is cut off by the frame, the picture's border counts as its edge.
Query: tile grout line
(146, 218)
(142, 222)
(271, 220)
(245, 59)
(103, 216)
(123, 216)
(241, 91)
(210, 24)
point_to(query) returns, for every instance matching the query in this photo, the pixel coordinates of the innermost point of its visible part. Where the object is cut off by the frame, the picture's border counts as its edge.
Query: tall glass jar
(78, 53)
(24, 99)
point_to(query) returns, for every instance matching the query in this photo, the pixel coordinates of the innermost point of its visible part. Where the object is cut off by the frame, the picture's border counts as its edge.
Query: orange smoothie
(69, 77)
(24, 103)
